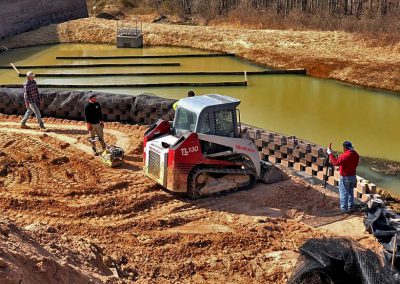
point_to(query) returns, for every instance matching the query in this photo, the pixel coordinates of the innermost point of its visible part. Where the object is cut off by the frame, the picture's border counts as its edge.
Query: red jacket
(347, 162)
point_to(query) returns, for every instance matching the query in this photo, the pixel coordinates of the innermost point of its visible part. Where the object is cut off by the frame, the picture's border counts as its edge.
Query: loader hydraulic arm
(238, 145)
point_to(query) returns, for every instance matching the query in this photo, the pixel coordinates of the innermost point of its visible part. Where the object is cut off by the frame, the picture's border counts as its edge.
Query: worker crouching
(347, 162)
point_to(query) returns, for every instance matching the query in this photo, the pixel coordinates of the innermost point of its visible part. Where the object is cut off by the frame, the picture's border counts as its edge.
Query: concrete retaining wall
(17, 16)
(303, 156)
(143, 109)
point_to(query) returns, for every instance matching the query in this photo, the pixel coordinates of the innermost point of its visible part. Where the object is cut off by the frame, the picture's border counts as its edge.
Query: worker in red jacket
(347, 162)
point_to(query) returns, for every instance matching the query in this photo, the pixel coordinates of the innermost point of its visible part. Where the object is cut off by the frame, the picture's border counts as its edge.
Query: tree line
(355, 8)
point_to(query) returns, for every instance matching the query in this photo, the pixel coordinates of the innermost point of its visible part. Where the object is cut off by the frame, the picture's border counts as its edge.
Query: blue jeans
(346, 192)
(33, 108)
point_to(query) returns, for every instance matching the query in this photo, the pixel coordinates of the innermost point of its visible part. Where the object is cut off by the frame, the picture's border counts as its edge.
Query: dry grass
(343, 56)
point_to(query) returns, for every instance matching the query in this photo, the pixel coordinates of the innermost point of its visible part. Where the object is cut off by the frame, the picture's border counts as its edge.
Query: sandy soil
(49, 179)
(337, 55)
(41, 254)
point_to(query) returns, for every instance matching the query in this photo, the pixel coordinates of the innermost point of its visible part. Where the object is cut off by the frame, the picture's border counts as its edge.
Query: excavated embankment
(142, 232)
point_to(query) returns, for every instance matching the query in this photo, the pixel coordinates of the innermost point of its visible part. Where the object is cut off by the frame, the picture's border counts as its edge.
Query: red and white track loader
(202, 152)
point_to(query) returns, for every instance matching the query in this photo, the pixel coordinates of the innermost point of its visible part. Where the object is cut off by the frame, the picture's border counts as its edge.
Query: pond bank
(334, 55)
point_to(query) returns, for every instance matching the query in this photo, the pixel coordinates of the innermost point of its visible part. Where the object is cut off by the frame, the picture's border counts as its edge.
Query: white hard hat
(30, 74)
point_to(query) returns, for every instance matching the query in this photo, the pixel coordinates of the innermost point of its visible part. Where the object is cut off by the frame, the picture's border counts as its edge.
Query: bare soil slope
(40, 254)
(51, 178)
(343, 56)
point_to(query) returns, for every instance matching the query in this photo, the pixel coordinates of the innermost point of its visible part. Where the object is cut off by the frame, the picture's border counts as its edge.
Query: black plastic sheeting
(384, 224)
(340, 260)
(144, 108)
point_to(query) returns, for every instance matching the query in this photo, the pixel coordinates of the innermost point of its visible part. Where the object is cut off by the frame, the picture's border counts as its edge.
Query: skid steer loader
(203, 152)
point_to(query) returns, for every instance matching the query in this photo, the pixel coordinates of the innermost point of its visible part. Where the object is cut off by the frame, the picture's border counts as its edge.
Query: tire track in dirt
(51, 178)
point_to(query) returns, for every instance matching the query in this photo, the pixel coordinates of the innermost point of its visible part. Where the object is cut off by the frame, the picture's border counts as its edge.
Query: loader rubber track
(193, 192)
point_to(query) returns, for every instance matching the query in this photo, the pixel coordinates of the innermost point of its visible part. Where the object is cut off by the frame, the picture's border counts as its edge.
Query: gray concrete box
(130, 41)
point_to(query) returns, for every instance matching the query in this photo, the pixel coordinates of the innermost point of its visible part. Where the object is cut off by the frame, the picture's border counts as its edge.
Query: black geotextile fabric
(340, 260)
(384, 224)
(144, 108)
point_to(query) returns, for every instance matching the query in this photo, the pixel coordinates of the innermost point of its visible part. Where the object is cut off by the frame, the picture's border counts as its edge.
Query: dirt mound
(39, 254)
(150, 235)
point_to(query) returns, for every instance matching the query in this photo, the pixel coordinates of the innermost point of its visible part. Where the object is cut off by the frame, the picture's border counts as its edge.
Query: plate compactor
(112, 156)
(203, 152)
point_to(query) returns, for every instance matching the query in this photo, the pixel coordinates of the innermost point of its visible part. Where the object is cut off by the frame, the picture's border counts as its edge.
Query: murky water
(318, 110)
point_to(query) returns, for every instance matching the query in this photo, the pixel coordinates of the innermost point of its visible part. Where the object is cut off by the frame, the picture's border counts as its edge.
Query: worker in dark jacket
(94, 121)
(347, 162)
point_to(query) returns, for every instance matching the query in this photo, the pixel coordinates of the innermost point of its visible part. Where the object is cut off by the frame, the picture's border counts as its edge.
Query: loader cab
(208, 114)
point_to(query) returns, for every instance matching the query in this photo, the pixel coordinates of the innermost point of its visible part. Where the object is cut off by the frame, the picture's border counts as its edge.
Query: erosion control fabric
(339, 260)
(144, 108)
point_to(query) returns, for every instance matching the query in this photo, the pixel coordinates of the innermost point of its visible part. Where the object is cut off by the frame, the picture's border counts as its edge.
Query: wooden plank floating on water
(16, 70)
(227, 73)
(92, 65)
(184, 84)
(145, 56)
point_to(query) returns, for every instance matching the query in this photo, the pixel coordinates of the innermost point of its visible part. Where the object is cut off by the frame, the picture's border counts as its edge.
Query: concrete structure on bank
(17, 16)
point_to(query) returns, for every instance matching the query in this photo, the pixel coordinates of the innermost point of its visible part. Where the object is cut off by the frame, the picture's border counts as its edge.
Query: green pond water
(317, 110)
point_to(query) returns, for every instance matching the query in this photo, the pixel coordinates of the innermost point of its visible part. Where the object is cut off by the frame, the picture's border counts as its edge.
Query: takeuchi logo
(244, 148)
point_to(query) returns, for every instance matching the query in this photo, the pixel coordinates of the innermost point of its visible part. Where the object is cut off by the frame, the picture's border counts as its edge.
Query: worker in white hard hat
(33, 100)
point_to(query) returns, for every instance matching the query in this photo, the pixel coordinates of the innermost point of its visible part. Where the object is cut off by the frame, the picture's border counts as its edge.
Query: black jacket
(93, 114)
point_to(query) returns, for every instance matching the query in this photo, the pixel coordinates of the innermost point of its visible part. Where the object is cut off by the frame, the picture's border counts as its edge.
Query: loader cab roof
(198, 103)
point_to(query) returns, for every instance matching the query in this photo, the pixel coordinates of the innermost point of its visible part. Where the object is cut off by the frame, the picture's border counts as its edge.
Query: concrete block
(292, 142)
(330, 171)
(266, 151)
(286, 163)
(298, 154)
(359, 179)
(336, 174)
(365, 197)
(321, 161)
(298, 167)
(357, 195)
(280, 140)
(273, 146)
(285, 149)
(272, 159)
(305, 147)
(309, 158)
(317, 151)
(254, 134)
(310, 171)
(280, 155)
(315, 167)
(371, 188)
(259, 143)
(331, 181)
(292, 159)
(321, 175)
(361, 188)
(263, 157)
(133, 41)
(267, 137)
(305, 163)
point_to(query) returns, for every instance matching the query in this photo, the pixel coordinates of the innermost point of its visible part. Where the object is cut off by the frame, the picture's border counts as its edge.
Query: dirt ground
(121, 219)
(336, 55)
